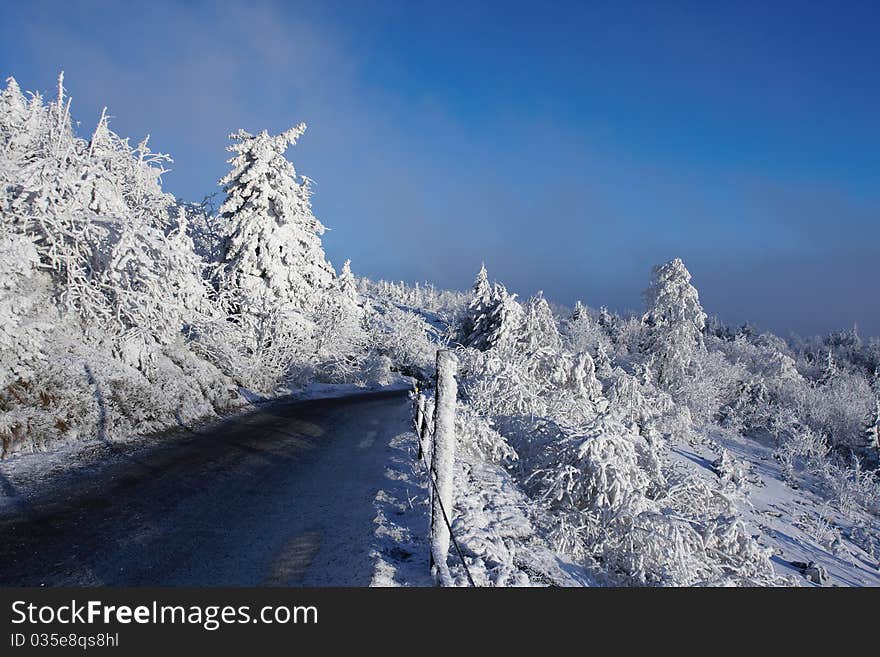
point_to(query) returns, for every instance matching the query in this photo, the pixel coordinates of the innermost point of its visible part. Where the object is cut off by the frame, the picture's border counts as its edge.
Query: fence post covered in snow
(442, 463)
(420, 422)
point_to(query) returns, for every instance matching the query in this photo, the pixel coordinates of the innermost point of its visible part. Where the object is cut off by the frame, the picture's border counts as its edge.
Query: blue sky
(570, 146)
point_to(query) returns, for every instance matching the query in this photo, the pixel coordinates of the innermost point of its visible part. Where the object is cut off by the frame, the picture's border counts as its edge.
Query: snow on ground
(333, 390)
(796, 523)
(495, 532)
(491, 522)
(401, 550)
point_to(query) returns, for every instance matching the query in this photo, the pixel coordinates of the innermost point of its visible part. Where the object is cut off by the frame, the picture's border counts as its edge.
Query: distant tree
(674, 322)
(346, 283)
(481, 298)
(581, 332)
(829, 368)
(494, 321)
(539, 330)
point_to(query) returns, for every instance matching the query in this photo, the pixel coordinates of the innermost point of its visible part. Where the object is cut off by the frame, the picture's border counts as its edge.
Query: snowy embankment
(491, 522)
(662, 450)
(798, 524)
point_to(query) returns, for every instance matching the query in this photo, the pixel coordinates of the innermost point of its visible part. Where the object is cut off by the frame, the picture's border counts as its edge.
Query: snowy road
(280, 496)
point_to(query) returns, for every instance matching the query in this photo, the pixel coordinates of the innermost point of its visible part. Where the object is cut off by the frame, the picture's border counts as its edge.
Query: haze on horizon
(570, 148)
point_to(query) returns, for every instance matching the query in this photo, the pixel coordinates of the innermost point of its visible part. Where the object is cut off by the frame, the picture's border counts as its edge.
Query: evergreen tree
(539, 331)
(674, 322)
(346, 283)
(498, 322)
(482, 288)
(272, 256)
(829, 368)
(475, 322)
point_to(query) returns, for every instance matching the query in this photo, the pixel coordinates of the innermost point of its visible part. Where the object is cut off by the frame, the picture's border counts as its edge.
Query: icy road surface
(283, 495)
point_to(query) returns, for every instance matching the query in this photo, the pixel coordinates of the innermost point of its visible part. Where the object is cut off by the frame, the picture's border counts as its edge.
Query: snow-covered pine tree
(829, 368)
(475, 323)
(482, 289)
(346, 283)
(273, 259)
(582, 332)
(674, 322)
(539, 331)
(499, 322)
(608, 322)
(14, 130)
(603, 362)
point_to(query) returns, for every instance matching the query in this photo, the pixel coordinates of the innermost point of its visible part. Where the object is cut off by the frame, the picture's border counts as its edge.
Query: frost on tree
(539, 331)
(272, 255)
(98, 285)
(583, 333)
(674, 322)
(494, 316)
(100, 222)
(476, 318)
(346, 284)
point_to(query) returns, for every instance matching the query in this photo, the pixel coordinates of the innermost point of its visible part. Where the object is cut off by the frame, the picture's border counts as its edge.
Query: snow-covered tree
(674, 321)
(830, 370)
(498, 321)
(583, 333)
(272, 255)
(475, 322)
(482, 288)
(25, 310)
(539, 330)
(346, 283)
(872, 428)
(99, 286)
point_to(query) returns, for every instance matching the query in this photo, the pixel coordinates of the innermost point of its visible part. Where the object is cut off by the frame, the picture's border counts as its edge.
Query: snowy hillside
(665, 449)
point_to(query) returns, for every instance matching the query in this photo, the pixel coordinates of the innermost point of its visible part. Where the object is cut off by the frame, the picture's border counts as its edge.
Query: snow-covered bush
(801, 448)
(100, 286)
(583, 333)
(730, 471)
(614, 505)
(478, 439)
(404, 337)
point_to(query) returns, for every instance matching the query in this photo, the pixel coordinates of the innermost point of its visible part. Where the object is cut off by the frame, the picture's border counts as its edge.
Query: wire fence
(424, 431)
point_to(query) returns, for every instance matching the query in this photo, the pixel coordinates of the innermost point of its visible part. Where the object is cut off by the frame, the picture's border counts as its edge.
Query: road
(279, 496)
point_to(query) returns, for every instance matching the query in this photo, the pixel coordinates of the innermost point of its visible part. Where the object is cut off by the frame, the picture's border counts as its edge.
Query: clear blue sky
(570, 146)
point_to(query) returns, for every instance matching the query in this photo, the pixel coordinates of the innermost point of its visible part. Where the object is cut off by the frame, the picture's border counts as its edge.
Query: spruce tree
(674, 322)
(272, 255)
(474, 323)
(346, 284)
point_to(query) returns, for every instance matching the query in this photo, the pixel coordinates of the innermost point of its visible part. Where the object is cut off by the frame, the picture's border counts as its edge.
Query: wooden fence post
(442, 461)
(420, 421)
